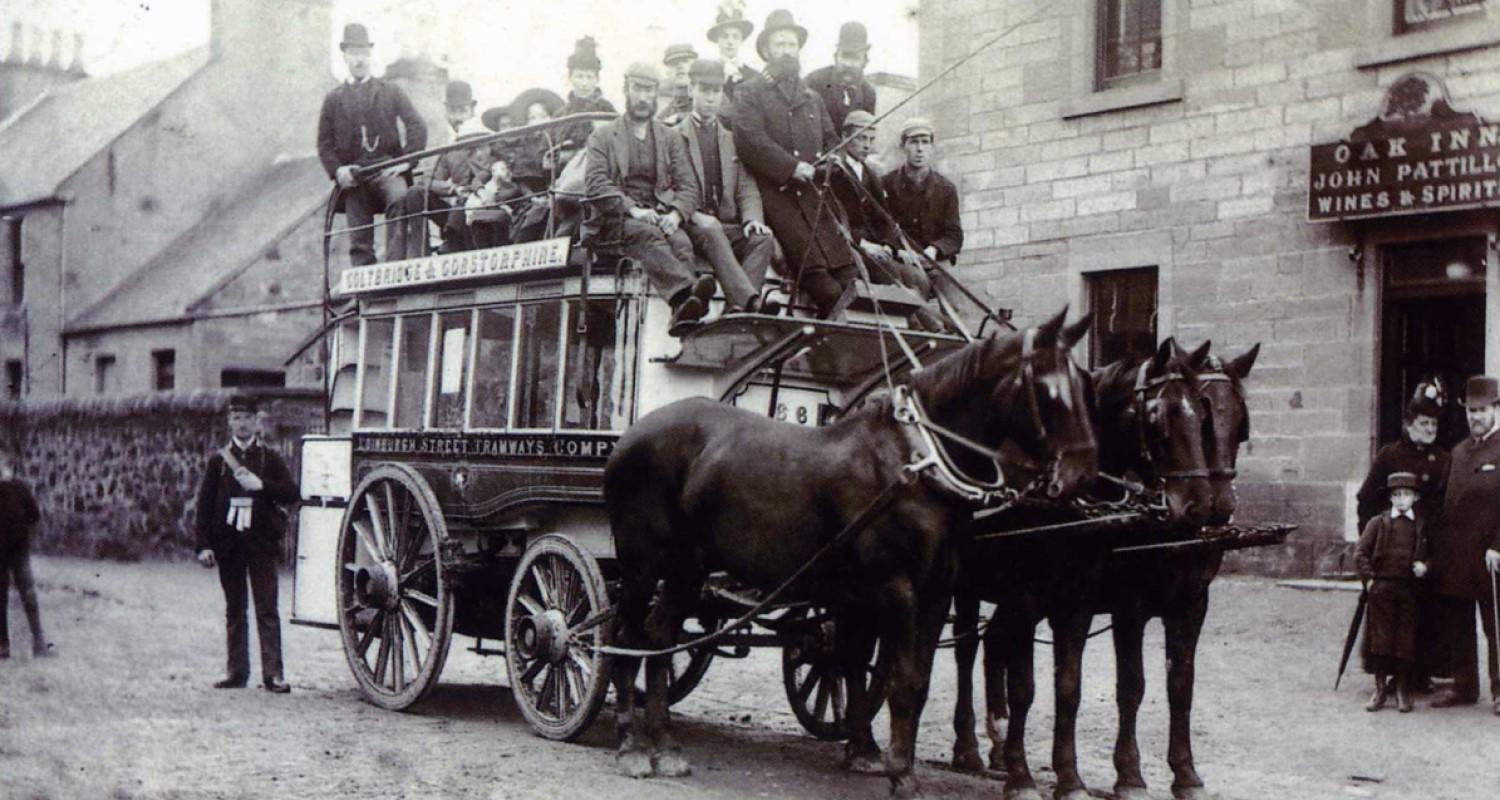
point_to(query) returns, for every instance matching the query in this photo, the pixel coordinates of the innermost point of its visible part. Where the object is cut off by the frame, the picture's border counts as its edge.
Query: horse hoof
(906, 788)
(1192, 793)
(865, 764)
(1132, 793)
(671, 764)
(1079, 793)
(997, 760)
(968, 760)
(1022, 793)
(635, 764)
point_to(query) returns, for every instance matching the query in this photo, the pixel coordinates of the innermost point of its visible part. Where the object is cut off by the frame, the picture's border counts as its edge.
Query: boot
(1403, 694)
(1377, 697)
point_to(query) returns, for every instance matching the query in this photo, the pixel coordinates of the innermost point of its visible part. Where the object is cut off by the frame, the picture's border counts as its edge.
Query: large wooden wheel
(815, 682)
(553, 628)
(395, 601)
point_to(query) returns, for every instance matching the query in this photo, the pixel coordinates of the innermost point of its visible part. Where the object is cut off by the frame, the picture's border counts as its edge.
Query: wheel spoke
(410, 575)
(542, 587)
(377, 519)
(805, 689)
(409, 635)
(369, 634)
(532, 671)
(398, 655)
(398, 536)
(418, 627)
(585, 669)
(821, 704)
(840, 703)
(362, 532)
(383, 654)
(419, 596)
(548, 693)
(532, 607)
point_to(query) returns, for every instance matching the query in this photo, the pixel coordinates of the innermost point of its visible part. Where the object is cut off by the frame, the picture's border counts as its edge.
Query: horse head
(1166, 418)
(1226, 426)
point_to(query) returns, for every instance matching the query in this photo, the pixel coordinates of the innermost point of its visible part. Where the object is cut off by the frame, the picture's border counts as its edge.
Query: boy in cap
(18, 515)
(843, 86)
(237, 532)
(357, 127)
(455, 175)
(728, 227)
(729, 32)
(1392, 552)
(677, 92)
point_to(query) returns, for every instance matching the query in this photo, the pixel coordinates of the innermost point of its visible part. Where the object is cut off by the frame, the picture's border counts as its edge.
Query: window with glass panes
(1412, 15)
(1129, 42)
(1124, 306)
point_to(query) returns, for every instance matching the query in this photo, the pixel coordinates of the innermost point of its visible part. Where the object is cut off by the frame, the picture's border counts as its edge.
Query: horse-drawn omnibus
(473, 399)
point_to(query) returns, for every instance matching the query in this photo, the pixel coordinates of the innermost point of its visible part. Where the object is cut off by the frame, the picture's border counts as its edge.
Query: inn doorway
(1432, 324)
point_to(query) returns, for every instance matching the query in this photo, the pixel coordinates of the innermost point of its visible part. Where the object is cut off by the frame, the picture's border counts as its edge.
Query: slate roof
(45, 142)
(211, 253)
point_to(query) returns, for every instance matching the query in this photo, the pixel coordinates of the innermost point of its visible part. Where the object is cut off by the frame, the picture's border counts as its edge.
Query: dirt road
(125, 711)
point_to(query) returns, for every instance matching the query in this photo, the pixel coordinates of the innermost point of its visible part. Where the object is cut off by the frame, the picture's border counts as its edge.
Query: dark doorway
(1432, 325)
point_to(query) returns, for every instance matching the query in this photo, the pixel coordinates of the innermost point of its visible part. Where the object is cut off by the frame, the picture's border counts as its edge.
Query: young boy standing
(1391, 553)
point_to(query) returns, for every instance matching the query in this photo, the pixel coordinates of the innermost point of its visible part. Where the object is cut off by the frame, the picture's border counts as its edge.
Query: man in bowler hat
(454, 175)
(1466, 548)
(237, 531)
(357, 128)
(842, 85)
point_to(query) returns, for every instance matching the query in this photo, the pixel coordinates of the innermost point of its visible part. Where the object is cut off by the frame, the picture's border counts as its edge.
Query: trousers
(383, 194)
(1463, 641)
(739, 261)
(667, 259)
(17, 563)
(251, 568)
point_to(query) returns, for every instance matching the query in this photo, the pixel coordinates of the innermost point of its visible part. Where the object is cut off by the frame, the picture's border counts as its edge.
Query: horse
(1149, 425)
(1174, 586)
(856, 507)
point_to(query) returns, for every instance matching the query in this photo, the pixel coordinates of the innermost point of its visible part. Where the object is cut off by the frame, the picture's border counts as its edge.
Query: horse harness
(1146, 390)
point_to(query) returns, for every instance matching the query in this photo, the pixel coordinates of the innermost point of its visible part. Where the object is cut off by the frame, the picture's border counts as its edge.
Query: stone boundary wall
(117, 477)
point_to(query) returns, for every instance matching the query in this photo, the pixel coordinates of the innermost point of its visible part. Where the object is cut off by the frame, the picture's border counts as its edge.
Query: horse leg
(1021, 690)
(633, 750)
(664, 626)
(1070, 631)
(901, 639)
(996, 704)
(966, 647)
(1130, 687)
(1182, 630)
(854, 645)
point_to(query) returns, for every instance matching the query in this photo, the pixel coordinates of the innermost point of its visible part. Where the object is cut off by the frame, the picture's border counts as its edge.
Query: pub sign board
(1418, 156)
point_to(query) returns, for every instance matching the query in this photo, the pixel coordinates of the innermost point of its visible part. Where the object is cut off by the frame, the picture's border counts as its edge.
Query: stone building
(1317, 177)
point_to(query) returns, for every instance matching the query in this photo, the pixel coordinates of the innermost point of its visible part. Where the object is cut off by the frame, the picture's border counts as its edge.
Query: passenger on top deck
(843, 86)
(357, 128)
(535, 160)
(583, 89)
(729, 32)
(676, 95)
(925, 205)
(641, 184)
(728, 228)
(456, 175)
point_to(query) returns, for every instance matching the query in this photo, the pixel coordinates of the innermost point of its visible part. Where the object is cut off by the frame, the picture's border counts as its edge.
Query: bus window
(343, 352)
(411, 380)
(492, 362)
(536, 381)
(598, 389)
(452, 365)
(376, 394)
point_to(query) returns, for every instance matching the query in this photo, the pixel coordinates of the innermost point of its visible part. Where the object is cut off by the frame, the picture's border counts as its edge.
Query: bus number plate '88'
(793, 404)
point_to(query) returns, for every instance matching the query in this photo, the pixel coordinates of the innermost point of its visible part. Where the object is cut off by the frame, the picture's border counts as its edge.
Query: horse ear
(1072, 334)
(1240, 366)
(1046, 333)
(1196, 359)
(1163, 355)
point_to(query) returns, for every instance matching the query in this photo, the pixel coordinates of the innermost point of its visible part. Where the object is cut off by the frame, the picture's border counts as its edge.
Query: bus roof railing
(486, 139)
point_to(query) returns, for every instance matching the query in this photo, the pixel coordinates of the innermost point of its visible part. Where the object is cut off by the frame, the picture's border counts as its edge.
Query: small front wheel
(554, 625)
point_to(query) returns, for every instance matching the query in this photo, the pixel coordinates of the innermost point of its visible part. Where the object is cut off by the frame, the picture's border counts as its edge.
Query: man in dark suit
(728, 228)
(356, 128)
(237, 530)
(843, 86)
(642, 188)
(453, 176)
(18, 515)
(924, 202)
(1466, 547)
(780, 129)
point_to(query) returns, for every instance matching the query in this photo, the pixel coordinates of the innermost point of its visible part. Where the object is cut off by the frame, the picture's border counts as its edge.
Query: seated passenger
(924, 203)
(456, 175)
(492, 208)
(642, 187)
(583, 89)
(676, 95)
(534, 160)
(728, 228)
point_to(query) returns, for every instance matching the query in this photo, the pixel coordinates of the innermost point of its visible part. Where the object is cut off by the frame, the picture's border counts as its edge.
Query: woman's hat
(779, 20)
(1402, 480)
(585, 55)
(728, 19)
(548, 99)
(493, 115)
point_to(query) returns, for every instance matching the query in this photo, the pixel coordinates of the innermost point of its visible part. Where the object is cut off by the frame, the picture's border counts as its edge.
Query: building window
(16, 268)
(164, 369)
(14, 374)
(1413, 15)
(104, 374)
(1124, 306)
(1129, 42)
(234, 378)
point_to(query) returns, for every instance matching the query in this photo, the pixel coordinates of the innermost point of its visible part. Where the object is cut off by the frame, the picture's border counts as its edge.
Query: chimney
(57, 45)
(76, 67)
(38, 54)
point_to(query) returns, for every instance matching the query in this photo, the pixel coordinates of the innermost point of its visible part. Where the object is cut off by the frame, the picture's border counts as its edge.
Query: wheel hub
(544, 635)
(378, 586)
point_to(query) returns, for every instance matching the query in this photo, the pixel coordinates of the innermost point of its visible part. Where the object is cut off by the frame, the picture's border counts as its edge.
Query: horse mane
(952, 379)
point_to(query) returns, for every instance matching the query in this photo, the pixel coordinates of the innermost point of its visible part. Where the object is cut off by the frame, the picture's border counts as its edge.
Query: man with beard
(357, 127)
(1466, 548)
(728, 227)
(729, 32)
(843, 86)
(642, 188)
(780, 129)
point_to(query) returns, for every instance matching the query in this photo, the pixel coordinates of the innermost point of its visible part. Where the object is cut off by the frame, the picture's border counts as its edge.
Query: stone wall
(116, 478)
(1203, 174)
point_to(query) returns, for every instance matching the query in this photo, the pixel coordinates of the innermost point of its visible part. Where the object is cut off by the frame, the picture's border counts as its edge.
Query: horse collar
(930, 459)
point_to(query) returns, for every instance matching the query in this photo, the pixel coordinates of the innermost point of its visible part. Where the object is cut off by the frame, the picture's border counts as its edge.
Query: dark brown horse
(1173, 585)
(698, 487)
(1149, 423)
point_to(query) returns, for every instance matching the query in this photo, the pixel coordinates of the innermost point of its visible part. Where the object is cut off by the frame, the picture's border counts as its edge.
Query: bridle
(1147, 390)
(1243, 432)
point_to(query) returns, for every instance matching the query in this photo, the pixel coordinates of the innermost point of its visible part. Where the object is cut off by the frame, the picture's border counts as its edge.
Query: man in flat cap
(728, 228)
(455, 175)
(729, 32)
(1466, 546)
(923, 201)
(357, 128)
(237, 530)
(642, 188)
(781, 128)
(842, 85)
(676, 97)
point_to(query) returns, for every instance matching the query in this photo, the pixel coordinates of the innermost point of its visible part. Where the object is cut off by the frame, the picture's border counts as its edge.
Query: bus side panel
(314, 596)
